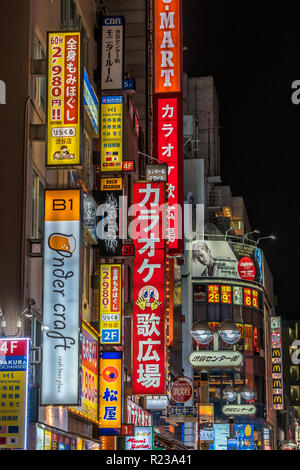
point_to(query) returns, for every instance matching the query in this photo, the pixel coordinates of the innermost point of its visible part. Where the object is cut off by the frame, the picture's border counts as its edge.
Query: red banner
(148, 290)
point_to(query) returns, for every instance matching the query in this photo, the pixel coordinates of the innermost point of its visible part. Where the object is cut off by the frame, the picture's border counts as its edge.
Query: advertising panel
(112, 52)
(244, 434)
(111, 133)
(220, 259)
(276, 353)
(206, 414)
(143, 439)
(89, 377)
(110, 397)
(64, 99)
(91, 104)
(61, 327)
(110, 303)
(148, 337)
(221, 434)
(109, 220)
(14, 392)
(167, 46)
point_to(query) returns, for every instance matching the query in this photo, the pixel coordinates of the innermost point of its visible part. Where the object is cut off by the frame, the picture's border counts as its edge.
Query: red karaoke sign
(148, 290)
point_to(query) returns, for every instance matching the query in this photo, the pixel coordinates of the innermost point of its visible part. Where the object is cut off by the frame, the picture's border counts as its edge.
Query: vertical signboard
(110, 397)
(167, 45)
(148, 376)
(108, 216)
(110, 303)
(111, 133)
(167, 109)
(91, 104)
(60, 371)
(168, 151)
(276, 352)
(89, 376)
(64, 99)
(112, 52)
(14, 390)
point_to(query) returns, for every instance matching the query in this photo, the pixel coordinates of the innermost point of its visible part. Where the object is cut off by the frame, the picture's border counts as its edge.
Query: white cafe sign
(216, 359)
(239, 410)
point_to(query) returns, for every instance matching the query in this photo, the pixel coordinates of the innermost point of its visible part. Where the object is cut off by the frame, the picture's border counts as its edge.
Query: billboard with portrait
(220, 259)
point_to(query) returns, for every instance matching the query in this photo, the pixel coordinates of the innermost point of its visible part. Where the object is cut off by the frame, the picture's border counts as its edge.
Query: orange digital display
(167, 37)
(247, 297)
(213, 294)
(255, 298)
(226, 297)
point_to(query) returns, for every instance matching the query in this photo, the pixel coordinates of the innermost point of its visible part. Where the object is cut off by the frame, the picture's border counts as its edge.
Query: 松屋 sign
(110, 398)
(148, 376)
(64, 99)
(216, 359)
(112, 52)
(60, 371)
(167, 45)
(14, 392)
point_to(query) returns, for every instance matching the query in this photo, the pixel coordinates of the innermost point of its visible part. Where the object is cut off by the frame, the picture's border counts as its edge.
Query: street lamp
(247, 393)
(250, 233)
(231, 228)
(201, 332)
(229, 332)
(229, 393)
(272, 237)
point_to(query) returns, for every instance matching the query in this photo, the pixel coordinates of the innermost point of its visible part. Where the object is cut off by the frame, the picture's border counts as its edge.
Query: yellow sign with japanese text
(64, 99)
(110, 303)
(112, 133)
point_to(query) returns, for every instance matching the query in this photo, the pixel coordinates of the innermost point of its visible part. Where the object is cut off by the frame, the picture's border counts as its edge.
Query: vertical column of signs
(14, 392)
(168, 112)
(148, 375)
(60, 372)
(110, 304)
(277, 377)
(64, 99)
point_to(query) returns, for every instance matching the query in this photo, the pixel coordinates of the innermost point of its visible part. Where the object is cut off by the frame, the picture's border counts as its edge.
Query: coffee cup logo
(62, 243)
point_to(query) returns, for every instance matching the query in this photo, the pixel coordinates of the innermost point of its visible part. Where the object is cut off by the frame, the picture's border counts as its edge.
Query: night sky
(252, 49)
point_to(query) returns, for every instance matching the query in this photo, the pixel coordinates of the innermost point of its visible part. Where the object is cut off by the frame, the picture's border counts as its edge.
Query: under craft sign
(60, 376)
(216, 359)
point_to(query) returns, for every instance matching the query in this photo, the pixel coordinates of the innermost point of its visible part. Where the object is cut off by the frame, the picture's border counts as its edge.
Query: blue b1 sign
(110, 336)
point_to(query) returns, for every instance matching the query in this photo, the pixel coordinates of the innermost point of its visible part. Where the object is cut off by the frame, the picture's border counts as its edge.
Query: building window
(71, 20)
(39, 83)
(37, 207)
